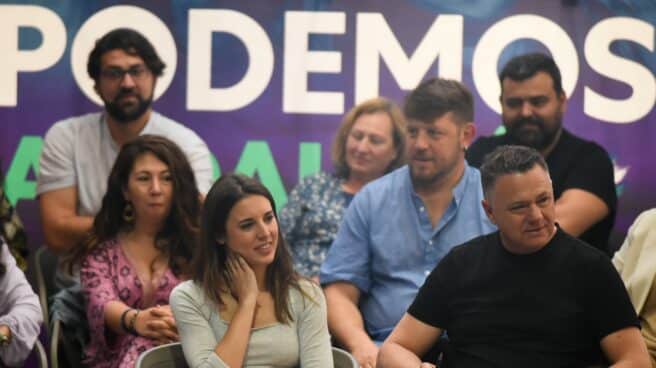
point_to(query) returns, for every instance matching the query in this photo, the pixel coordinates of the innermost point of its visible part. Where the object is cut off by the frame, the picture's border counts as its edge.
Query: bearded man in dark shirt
(533, 103)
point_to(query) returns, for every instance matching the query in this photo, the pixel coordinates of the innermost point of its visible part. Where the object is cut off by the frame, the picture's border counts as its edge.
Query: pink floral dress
(106, 274)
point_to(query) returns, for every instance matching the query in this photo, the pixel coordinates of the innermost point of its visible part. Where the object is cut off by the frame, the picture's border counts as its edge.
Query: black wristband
(124, 326)
(130, 325)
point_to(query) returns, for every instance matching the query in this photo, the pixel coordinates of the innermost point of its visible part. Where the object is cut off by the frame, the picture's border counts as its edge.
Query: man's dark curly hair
(130, 41)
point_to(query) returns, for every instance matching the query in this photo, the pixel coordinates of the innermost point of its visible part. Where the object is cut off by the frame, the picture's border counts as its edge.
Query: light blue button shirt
(386, 244)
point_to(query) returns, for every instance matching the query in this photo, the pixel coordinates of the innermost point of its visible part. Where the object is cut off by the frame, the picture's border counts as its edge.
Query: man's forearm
(396, 356)
(637, 363)
(345, 322)
(578, 210)
(63, 234)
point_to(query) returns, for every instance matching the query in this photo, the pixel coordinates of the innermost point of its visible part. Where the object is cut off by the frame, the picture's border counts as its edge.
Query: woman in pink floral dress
(138, 250)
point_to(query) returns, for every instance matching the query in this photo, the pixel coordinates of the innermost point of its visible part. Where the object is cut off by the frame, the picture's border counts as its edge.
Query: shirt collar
(458, 191)
(105, 127)
(461, 188)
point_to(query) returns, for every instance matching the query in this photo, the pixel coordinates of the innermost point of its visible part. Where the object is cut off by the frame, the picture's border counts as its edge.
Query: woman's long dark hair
(210, 269)
(177, 237)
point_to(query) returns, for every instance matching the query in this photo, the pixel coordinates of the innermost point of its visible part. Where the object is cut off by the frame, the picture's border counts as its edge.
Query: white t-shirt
(80, 152)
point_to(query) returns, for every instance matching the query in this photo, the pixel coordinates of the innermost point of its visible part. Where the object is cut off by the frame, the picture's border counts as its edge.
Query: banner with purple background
(265, 83)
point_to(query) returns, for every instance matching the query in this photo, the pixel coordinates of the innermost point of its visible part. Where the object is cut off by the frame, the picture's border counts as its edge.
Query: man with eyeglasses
(79, 152)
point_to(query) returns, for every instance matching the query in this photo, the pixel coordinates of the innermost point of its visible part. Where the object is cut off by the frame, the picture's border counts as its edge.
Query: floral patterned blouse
(310, 220)
(107, 274)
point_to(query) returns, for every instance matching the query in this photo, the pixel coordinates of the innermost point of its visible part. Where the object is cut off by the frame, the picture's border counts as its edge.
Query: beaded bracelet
(123, 325)
(130, 325)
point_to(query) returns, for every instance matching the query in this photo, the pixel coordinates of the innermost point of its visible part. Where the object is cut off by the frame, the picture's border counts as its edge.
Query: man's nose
(527, 109)
(535, 213)
(421, 141)
(127, 81)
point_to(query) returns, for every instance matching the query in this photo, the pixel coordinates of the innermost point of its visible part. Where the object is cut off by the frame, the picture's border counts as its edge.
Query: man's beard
(443, 172)
(127, 113)
(539, 136)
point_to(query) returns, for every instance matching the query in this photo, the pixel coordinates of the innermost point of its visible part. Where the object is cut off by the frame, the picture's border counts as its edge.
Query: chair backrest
(163, 356)
(55, 337)
(64, 352)
(28, 210)
(37, 357)
(45, 262)
(171, 356)
(343, 359)
(40, 352)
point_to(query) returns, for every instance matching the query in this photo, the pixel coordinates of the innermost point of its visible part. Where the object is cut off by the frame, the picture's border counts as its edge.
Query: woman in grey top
(20, 312)
(245, 306)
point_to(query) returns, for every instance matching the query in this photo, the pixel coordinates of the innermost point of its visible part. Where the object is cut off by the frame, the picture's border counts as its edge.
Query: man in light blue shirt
(400, 226)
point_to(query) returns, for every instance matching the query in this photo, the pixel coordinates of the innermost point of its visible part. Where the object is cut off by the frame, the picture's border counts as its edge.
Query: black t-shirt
(573, 164)
(546, 309)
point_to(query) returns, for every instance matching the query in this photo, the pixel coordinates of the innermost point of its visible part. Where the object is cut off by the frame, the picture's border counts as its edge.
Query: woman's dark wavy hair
(210, 269)
(178, 236)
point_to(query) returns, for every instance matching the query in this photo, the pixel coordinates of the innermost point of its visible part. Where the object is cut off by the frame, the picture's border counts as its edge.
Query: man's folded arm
(410, 339)
(626, 348)
(63, 228)
(577, 210)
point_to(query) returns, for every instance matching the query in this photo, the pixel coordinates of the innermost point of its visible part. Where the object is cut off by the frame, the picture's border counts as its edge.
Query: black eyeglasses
(137, 73)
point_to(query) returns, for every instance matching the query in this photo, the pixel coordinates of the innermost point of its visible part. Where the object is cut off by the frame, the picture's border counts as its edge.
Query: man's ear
(563, 102)
(488, 210)
(468, 134)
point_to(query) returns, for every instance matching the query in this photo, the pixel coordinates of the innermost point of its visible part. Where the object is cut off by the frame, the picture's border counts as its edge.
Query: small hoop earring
(128, 212)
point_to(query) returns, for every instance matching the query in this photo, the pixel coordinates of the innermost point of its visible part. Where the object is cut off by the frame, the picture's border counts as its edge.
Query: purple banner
(266, 83)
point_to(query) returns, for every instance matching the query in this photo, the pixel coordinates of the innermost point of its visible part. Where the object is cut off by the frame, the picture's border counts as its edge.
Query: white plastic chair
(163, 356)
(40, 353)
(171, 355)
(344, 359)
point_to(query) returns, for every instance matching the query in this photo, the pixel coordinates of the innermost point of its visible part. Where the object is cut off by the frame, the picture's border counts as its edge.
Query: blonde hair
(371, 106)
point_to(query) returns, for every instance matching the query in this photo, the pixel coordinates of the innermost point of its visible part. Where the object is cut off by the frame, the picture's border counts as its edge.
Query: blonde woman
(369, 143)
